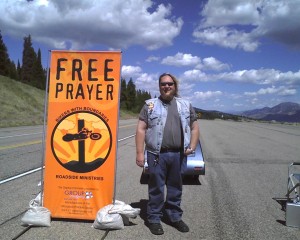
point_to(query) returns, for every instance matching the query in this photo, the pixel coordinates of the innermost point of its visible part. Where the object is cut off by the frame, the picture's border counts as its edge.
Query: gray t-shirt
(173, 135)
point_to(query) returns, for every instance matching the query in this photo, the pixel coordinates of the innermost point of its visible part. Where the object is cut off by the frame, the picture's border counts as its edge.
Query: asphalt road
(238, 198)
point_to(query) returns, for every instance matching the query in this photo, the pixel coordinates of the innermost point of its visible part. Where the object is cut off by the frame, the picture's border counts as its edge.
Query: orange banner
(81, 137)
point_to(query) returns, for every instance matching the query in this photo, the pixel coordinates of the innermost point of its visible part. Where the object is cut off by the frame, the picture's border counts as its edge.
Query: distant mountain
(212, 114)
(283, 112)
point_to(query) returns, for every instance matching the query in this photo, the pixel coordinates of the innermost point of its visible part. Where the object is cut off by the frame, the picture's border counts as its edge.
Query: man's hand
(189, 151)
(140, 160)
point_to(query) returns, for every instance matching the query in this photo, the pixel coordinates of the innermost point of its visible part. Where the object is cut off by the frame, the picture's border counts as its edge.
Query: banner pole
(44, 128)
(117, 142)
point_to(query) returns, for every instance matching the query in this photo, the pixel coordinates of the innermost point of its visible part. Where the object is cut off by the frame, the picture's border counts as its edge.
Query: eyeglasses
(163, 84)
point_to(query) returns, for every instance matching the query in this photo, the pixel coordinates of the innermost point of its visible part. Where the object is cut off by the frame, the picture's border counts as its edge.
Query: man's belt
(164, 150)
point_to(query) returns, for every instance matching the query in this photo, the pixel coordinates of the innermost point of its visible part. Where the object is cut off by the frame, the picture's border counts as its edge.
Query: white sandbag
(115, 216)
(37, 216)
(125, 209)
(37, 201)
(107, 220)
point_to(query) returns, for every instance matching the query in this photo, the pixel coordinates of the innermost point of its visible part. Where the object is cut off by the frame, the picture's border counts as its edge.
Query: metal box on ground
(292, 214)
(292, 217)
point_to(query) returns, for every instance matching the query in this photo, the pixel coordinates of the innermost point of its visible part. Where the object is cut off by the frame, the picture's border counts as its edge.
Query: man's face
(167, 88)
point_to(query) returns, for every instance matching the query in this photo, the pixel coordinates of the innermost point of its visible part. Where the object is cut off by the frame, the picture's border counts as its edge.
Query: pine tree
(28, 60)
(141, 97)
(131, 95)
(13, 70)
(19, 70)
(39, 73)
(4, 58)
(123, 95)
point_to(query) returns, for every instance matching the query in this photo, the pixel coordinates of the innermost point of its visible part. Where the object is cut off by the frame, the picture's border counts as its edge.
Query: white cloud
(195, 75)
(225, 37)
(207, 95)
(280, 20)
(142, 80)
(274, 19)
(188, 60)
(212, 63)
(282, 91)
(130, 71)
(181, 59)
(238, 104)
(260, 76)
(152, 59)
(253, 101)
(229, 12)
(148, 82)
(79, 24)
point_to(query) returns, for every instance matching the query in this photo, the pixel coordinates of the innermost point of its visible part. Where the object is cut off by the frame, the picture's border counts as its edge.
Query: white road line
(20, 175)
(40, 168)
(119, 140)
(21, 135)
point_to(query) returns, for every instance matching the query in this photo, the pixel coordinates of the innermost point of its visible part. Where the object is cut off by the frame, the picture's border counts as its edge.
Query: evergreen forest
(30, 71)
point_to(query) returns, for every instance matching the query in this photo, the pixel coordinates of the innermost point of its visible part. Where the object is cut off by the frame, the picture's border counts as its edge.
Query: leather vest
(157, 116)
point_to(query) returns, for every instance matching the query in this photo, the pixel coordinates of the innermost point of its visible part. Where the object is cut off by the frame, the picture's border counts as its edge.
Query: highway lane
(246, 168)
(21, 151)
(21, 147)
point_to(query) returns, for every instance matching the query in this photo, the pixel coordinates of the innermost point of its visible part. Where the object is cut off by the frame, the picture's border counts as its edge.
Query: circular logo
(81, 141)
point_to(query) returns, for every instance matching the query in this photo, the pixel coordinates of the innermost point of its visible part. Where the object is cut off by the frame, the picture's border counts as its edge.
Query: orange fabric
(81, 137)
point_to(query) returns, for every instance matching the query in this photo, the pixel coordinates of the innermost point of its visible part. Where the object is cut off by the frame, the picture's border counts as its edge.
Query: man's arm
(139, 142)
(194, 135)
(194, 131)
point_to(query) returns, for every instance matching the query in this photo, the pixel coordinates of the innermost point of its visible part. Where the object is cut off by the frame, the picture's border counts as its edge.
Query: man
(168, 125)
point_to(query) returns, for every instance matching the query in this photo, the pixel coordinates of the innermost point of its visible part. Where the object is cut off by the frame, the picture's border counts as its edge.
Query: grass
(23, 105)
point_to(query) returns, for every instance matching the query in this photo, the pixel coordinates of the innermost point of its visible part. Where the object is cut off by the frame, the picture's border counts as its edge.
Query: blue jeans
(167, 171)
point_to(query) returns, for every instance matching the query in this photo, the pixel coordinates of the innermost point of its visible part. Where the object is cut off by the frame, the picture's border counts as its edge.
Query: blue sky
(229, 55)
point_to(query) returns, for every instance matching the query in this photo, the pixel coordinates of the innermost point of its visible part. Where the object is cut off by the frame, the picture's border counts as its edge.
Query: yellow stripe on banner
(20, 145)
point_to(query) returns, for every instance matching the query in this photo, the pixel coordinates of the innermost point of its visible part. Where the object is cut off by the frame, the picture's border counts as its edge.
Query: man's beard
(168, 98)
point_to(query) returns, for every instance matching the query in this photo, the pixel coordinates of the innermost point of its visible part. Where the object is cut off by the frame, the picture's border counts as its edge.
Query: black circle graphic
(62, 139)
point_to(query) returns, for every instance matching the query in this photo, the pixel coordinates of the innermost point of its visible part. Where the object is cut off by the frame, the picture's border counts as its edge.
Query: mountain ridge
(283, 112)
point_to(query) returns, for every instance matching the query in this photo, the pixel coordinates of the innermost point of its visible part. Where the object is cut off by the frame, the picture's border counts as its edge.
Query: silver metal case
(195, 164)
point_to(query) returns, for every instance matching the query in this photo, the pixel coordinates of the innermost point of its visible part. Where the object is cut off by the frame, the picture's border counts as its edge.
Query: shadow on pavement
(142, 204)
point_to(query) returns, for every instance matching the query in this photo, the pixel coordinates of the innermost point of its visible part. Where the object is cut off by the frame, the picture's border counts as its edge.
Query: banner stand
(81, 136)
(44, 129)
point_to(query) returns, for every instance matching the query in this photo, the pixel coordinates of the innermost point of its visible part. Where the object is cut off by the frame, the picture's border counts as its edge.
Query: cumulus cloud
(222, 22)
(282, 91)
(188, 60)
(148, 82)
(130, 71)
(79, 24)
(207, 95)
(143, 81)
(212, 63)
(195, 75)
(181, 59)
(255, 76)
(152, 59)
(260, 76)
(226, 37)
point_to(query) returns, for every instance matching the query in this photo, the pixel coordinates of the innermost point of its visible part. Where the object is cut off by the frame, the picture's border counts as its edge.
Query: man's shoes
(156, 228)
(180, 226)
